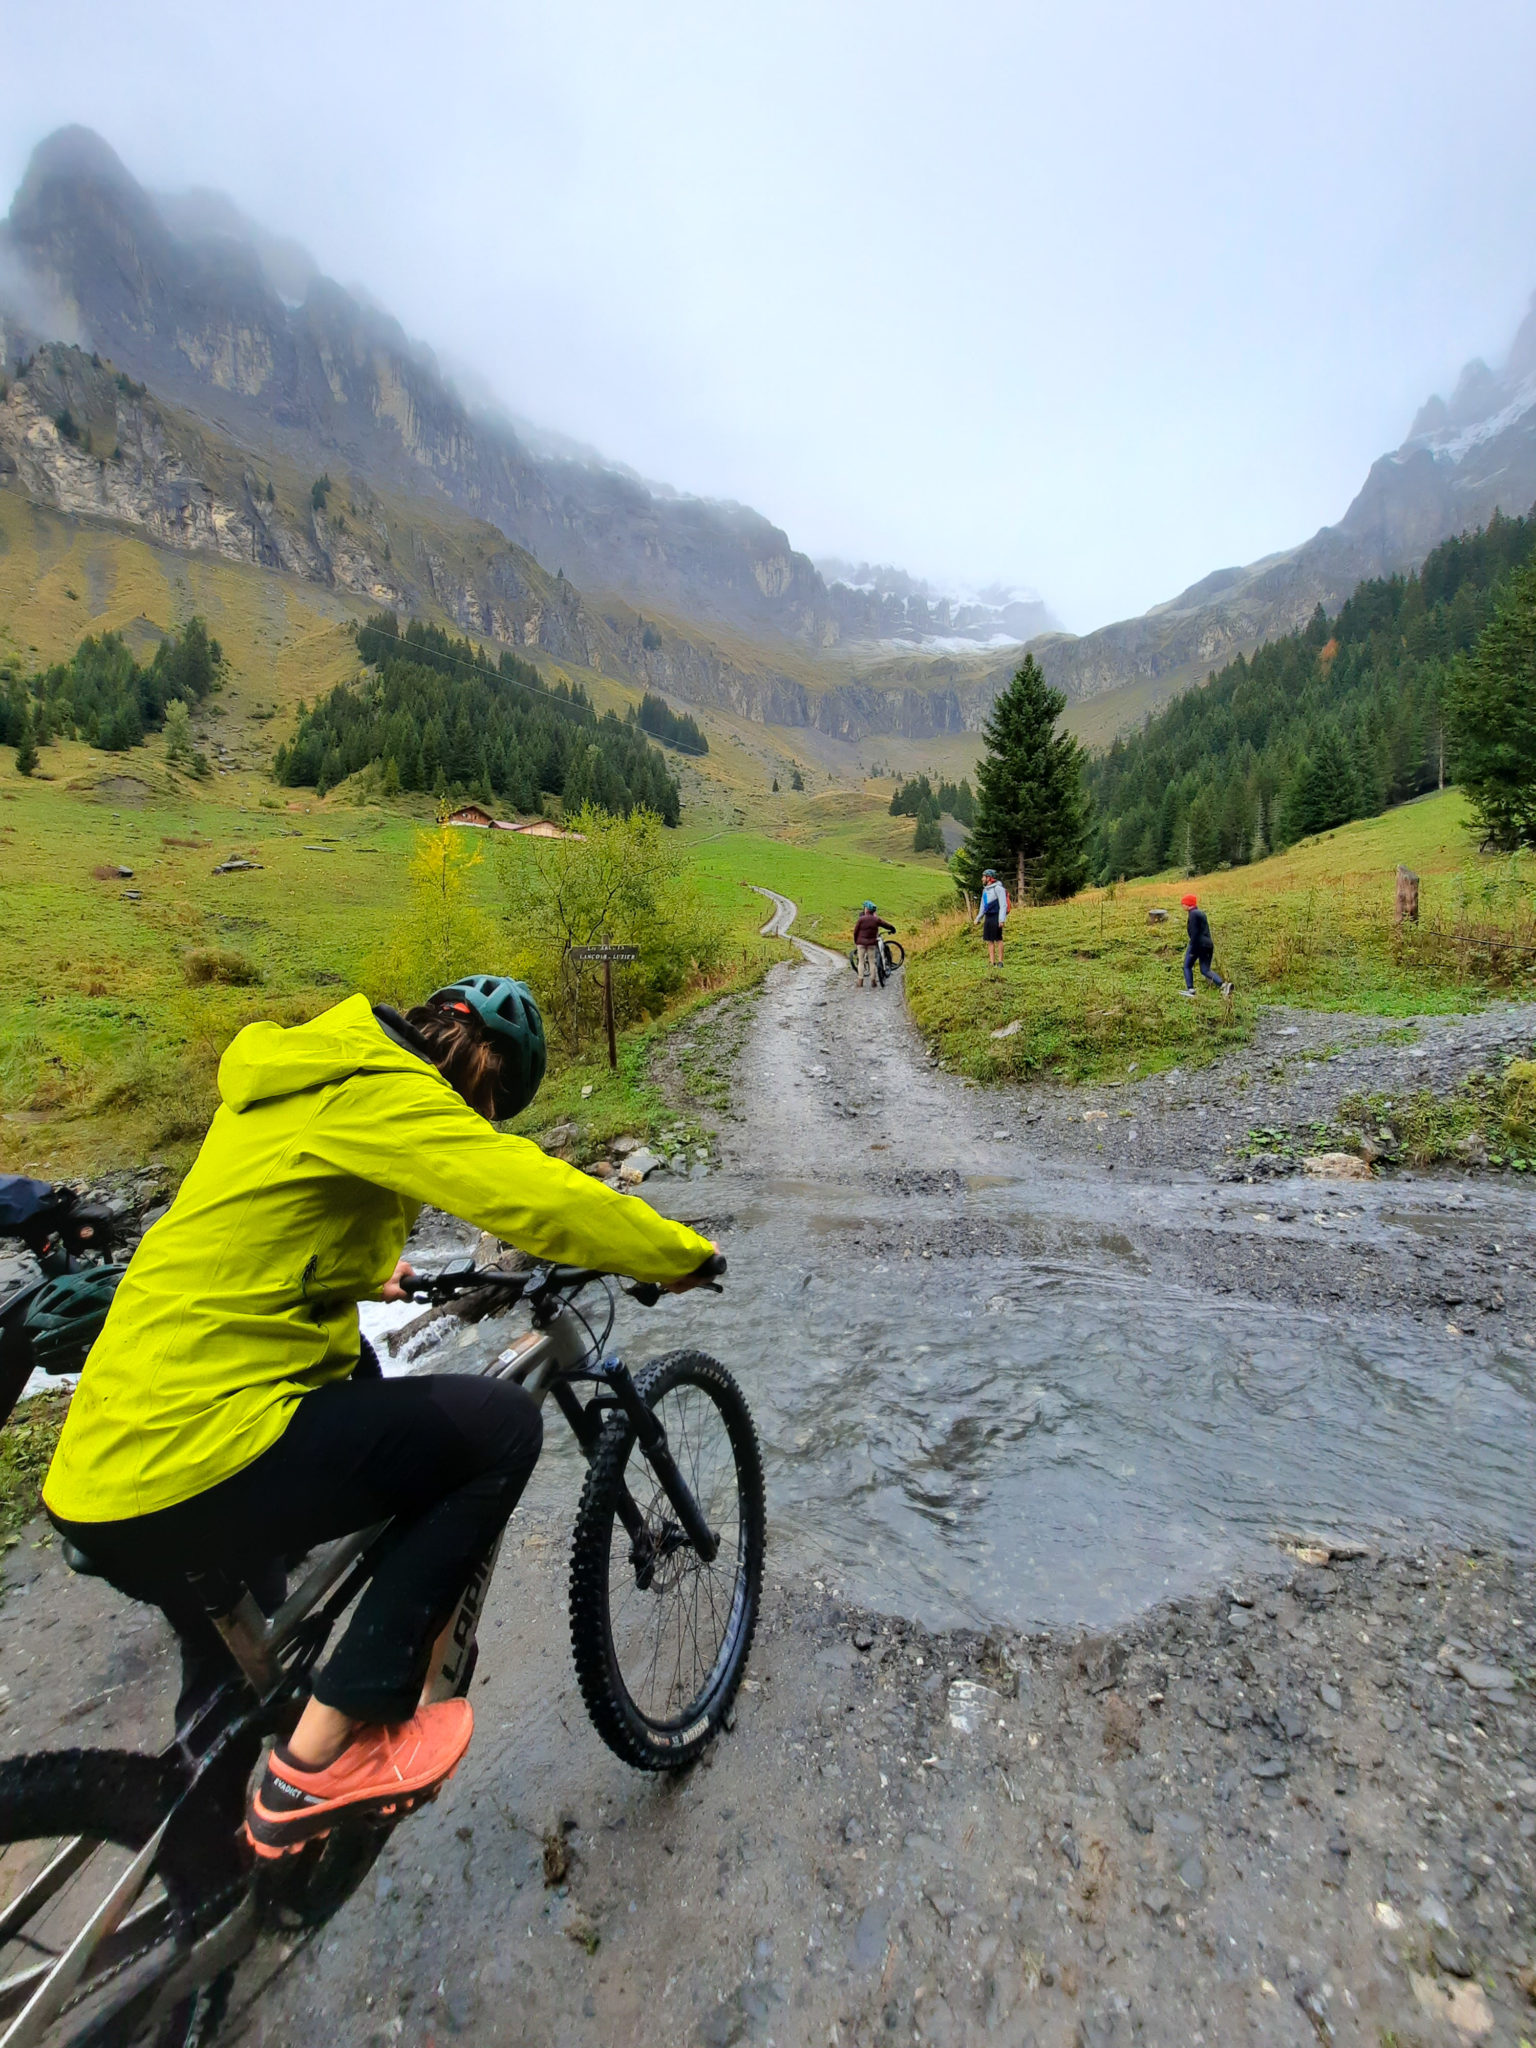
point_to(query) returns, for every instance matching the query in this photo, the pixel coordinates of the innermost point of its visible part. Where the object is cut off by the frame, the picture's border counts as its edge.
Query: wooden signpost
(625, 957)
(1407, 907)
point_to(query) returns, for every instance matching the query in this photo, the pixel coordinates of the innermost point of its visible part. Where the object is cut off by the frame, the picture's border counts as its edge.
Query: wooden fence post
(1407, 897)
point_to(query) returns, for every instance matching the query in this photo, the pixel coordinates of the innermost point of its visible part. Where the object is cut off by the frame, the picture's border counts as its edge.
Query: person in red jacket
(866, 936)
(1201, 950)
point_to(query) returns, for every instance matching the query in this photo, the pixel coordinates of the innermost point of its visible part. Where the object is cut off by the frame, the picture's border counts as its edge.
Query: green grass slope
(1093, 986)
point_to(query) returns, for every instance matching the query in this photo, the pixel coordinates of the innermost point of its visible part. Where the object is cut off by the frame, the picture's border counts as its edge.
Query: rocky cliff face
(1464, 459)
(199, 316)
(84, 439)
(194, 303)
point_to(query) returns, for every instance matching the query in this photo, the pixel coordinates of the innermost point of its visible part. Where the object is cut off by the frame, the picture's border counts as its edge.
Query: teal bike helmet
(65, 1316)
(509, 1013)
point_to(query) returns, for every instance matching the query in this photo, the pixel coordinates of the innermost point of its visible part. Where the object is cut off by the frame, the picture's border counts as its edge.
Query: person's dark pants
(445, 1457)
(1191, 957)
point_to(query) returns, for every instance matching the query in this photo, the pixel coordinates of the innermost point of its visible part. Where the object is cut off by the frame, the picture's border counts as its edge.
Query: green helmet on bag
(509, 1013)
(65, 1316)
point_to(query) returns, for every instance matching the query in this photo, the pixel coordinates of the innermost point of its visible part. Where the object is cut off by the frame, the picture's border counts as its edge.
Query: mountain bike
(127, 1892)
(889, 955)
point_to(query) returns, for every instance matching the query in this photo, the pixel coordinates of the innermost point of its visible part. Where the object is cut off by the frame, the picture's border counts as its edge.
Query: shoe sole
(286, 1834)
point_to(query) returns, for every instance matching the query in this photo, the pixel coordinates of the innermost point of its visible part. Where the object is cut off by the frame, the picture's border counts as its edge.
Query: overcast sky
(1090, 298)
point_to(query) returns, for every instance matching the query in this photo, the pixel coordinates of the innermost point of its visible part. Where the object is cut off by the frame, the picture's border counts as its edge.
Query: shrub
(621, 882)
(212, 964)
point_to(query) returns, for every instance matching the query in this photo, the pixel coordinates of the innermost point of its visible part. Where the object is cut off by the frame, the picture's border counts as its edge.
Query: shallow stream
(980, 1402)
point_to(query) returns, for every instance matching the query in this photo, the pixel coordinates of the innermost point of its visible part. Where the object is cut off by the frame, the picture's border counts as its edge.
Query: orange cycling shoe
(384, 1771)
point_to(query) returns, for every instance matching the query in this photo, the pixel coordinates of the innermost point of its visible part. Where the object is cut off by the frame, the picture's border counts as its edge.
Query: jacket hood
(265, 1061)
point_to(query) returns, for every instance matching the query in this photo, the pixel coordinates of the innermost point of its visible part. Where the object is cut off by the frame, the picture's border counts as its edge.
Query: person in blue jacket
(1201, 950)
(992, 915)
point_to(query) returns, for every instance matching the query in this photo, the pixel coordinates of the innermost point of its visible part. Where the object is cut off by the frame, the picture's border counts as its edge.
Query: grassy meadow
(118, 993)
(1094, 987)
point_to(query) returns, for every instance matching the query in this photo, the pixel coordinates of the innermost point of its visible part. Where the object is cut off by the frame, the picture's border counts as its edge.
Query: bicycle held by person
(889, 955)
(128, 1891)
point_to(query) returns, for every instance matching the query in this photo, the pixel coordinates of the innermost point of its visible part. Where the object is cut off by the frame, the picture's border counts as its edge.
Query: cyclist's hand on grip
(706, 1275)
(392, 1290)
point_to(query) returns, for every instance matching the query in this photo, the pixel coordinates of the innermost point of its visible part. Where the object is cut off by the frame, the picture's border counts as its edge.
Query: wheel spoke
(669, 1650)
(683, 1638)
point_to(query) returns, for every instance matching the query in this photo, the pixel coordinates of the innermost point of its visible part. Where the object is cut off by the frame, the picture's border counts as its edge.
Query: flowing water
(980, 1401)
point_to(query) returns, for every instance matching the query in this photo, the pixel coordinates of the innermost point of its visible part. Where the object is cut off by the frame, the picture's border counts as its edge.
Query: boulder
(1336, 1166)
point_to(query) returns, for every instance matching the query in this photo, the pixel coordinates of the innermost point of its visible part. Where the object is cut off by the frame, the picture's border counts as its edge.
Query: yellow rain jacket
(243, 1297)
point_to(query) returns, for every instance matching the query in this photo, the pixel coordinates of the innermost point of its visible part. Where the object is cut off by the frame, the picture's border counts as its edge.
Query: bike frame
(544, 1363)
(274, 1652)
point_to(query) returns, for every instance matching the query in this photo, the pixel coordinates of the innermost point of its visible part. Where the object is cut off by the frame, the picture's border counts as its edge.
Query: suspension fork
(652, 1437)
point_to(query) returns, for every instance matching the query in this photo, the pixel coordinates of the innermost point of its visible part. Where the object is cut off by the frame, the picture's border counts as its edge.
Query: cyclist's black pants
(446, 1457)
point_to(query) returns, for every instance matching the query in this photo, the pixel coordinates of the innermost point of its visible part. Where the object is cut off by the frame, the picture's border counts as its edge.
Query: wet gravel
(1301, 1808)
(1289, 1081)
(1295, 1806)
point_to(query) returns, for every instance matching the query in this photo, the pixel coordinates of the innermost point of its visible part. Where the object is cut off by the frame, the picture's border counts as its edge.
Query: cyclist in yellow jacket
(218, 1422)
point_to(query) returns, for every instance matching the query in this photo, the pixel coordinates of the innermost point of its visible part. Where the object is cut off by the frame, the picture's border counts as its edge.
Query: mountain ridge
(702, 599)
(201, 320)
(1461, 462)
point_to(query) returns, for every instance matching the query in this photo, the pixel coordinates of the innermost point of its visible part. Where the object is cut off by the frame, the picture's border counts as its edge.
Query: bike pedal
(274, 1852)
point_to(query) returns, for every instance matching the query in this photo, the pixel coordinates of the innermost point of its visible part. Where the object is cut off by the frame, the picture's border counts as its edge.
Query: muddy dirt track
(1049, 1737)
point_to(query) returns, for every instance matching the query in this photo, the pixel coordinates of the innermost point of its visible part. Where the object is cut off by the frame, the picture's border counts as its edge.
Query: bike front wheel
(660, 1637)
(895, 953)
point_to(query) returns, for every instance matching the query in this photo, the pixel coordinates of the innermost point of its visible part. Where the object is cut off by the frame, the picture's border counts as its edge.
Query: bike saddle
(82, 1566)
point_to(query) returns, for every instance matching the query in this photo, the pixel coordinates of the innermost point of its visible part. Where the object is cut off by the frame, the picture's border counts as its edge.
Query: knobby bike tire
(120, 1797)
(895, 952)
(653, 1743)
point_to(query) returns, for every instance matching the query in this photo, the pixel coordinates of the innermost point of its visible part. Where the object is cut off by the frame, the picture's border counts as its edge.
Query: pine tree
(1031, 808)
(797, 780)
(1259, 846)
(178, 734)
(1204, 836)
(26, 748)
(1491, 712)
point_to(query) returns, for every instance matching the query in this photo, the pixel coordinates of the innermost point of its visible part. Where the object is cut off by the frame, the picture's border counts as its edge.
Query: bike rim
(675, 1640)
(29, 1949)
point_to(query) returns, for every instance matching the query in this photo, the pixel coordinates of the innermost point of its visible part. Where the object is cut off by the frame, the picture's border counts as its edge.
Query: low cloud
(30, 309)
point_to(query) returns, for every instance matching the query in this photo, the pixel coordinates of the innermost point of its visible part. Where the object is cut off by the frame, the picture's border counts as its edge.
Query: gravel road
(1150, 1633)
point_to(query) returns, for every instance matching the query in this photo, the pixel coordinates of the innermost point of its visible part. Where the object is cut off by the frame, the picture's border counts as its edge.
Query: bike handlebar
(540, 1286)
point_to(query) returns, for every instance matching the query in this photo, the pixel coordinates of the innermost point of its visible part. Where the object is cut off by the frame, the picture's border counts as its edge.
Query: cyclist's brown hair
(462, 1052)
